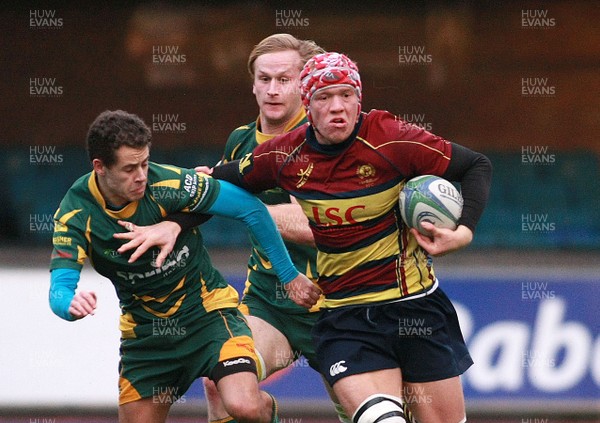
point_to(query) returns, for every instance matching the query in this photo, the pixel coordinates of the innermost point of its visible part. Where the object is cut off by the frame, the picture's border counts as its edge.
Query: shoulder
(160, 171)
(240, 139)
(381, 117)
(79, 192)
(380, 126)
(76, 205)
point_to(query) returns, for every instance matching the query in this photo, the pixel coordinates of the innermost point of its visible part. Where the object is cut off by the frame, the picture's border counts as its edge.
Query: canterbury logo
(337, 368)
(234, 362)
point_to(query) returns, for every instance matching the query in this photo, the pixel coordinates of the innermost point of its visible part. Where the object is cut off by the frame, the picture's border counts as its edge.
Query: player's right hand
(442, 240)
(162, 235)
(82, 304)
(303, 291)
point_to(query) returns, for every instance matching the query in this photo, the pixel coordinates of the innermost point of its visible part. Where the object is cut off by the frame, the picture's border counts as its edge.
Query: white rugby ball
(429, 198)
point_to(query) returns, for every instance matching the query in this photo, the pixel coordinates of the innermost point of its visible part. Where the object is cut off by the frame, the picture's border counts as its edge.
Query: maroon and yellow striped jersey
(349, 192)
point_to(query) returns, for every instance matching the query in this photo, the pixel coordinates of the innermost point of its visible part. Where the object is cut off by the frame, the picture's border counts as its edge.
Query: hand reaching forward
(162, 235)
(82, 304)
(303, 291)
(443, 241)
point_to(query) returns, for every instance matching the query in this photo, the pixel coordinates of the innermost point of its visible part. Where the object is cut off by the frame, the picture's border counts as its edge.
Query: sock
(408, 415)
(261, 368)
(274, 410)
(342, 416)
(227, 419)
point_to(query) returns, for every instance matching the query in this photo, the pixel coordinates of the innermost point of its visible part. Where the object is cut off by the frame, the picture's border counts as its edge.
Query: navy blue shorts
(422, 337)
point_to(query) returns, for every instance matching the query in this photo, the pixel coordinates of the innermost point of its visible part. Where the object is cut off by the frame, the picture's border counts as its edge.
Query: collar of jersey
(292, 123)
(124, 213)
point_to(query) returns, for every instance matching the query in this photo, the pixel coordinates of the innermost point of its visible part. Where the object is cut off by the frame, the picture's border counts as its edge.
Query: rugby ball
(429, 198)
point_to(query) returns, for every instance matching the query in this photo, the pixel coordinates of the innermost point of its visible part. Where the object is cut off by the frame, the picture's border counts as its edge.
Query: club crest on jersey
(366, 171)
(304, 174)
(367, 174)
(246, 164)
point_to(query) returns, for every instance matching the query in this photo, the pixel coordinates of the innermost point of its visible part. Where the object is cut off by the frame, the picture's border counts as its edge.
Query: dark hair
(113, 129)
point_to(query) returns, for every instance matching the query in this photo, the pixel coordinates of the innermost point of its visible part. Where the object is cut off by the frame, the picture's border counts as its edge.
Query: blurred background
(517, 81)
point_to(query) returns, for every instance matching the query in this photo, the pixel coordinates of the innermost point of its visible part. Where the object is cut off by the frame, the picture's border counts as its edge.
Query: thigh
(272, 345)
(441, 401)
(289, 334)
(270, 332)
(352, 390)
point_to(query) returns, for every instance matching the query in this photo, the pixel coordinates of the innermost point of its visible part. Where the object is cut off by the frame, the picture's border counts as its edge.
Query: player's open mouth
(338, 122)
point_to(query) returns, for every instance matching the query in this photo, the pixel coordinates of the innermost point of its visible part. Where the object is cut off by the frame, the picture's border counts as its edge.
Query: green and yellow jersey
(261, 280)
(84, 228)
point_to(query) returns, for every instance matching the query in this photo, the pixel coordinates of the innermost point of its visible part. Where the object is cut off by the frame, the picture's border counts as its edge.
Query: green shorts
(295, 327)
(179, 350)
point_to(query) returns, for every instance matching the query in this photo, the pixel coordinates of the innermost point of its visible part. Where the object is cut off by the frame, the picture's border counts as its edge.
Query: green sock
(274, 410)
(408, 415)
(227, 419)
(342, 416)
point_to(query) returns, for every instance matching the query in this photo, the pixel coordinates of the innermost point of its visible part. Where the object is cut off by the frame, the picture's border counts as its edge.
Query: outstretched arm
(239, 204)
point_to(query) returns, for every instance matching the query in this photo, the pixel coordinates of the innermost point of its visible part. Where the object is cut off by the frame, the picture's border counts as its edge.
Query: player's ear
(98, 166)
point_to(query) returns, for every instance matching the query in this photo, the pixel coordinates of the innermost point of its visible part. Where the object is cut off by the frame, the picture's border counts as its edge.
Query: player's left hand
(303, 291)
(443, 241)
(162, 235)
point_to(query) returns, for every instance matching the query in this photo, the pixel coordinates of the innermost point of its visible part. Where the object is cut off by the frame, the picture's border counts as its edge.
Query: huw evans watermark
(536, 19)
(167, 395)
(413, 328)
(532, 290)
(417, 119)
(537, 87)
(168, 123)
(44, 19)
(44, 87)
(41, 223)
(413, 55)
(537, 222)
(290, 18)
(537, 155)
(167, 327)
(536, 359)
(167, 55)
(290, 359)
(45, 155)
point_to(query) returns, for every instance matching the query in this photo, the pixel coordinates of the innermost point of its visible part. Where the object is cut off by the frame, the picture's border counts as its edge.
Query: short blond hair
(282, 42)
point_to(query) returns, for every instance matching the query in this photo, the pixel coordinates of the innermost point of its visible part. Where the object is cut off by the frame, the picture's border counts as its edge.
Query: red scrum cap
(326, 70)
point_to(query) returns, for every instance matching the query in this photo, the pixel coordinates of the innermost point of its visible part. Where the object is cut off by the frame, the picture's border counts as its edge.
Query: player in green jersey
(208, 336)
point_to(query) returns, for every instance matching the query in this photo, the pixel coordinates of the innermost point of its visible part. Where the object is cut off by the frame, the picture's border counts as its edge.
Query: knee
(245, 411)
